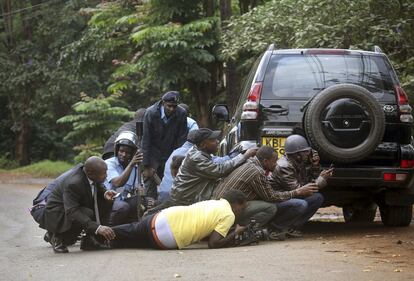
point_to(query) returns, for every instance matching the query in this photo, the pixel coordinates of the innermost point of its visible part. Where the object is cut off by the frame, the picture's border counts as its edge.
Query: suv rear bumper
(370, 177)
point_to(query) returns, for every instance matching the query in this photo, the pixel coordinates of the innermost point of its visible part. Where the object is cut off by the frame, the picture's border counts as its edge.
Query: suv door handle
(275, 110)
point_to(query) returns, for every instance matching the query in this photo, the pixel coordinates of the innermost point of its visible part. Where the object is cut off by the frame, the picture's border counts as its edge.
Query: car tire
(354, 102)
(352, 214)
(396, 215)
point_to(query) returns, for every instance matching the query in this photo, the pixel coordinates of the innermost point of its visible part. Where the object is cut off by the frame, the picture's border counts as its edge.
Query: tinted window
(302, 76)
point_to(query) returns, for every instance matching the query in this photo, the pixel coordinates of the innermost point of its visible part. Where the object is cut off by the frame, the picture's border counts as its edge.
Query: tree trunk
(21, 151)
(22, 141)
(231, 76)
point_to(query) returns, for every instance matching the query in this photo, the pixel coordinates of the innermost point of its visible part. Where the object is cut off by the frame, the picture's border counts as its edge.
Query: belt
(154, 233)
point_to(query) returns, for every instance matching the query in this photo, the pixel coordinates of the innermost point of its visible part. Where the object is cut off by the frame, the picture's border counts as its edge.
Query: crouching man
(292, 175)
(72, 206)
(180, 226)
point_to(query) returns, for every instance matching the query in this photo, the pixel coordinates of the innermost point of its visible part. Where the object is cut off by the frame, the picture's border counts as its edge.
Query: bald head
(95, 169)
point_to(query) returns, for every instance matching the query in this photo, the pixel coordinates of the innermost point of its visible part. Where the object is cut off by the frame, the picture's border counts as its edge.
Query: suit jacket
(66, 201)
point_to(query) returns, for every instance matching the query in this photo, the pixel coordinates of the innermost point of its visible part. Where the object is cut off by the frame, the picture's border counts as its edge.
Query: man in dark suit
(73, 206)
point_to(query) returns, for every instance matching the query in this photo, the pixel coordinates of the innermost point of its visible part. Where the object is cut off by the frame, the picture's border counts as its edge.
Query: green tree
(328, 24)
(35, 87)
(93, 120)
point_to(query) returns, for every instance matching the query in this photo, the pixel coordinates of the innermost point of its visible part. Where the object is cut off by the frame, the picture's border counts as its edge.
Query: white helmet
(126, 138)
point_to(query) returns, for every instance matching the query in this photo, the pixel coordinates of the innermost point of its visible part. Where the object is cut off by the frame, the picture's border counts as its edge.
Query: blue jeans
(295, 212)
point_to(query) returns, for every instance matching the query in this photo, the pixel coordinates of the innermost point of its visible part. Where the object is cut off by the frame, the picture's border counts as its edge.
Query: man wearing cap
(199, 174)
(292, 174)
(165, 129)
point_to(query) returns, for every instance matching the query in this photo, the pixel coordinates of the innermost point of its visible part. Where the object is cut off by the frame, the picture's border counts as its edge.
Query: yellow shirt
(190, 224)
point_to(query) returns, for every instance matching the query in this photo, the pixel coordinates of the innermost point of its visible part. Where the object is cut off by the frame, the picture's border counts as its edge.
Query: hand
(106, 232)
(110, 195)
(250, 152)
(315, 159)
(150, 202)
(149, 172)
(240, 229)
(327, 173)
(138, 157)
(307, 190)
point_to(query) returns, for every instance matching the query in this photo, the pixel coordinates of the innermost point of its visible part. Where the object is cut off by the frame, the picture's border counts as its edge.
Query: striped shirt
(250, 178)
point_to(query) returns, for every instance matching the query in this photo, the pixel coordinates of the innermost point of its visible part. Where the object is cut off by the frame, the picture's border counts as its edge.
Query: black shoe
(58, 246)
(90, 243)
(47, 237)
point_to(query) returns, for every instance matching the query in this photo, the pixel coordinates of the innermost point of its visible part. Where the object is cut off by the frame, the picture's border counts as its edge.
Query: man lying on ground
(180, 226)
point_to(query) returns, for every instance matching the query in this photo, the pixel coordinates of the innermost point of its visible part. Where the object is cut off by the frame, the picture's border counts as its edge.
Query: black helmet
(127, 138)
(296, 143)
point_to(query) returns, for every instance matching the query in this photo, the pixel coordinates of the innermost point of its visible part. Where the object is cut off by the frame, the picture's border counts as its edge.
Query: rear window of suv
(302, 76)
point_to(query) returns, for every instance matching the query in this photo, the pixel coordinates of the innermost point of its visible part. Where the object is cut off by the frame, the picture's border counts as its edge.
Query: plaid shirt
(251, 179)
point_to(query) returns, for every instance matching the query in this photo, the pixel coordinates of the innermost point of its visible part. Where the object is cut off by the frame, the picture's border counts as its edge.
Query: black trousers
(150, 184)
(135, 235)
(70, 236)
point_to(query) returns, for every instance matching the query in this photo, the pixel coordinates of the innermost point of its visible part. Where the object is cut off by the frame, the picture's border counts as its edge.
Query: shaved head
(95, 169)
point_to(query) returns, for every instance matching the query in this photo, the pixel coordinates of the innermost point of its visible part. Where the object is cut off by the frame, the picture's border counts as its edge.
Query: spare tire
(344, 123)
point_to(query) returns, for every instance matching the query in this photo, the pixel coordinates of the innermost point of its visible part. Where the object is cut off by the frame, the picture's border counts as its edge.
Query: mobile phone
(116, 195)
(332, 166)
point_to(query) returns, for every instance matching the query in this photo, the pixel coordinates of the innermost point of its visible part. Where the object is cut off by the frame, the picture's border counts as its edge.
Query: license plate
(277, 143)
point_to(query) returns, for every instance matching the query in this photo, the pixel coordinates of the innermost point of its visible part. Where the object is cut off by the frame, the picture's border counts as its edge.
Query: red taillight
(389, 177)
(401, 95)
(255, 91)
(407, 163)
(394, 177)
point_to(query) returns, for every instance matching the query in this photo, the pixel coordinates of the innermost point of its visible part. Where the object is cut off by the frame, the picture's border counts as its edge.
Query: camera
(252, 235)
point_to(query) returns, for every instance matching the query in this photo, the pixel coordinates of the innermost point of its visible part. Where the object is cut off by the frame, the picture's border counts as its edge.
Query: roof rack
(377, 49)
(271, 47)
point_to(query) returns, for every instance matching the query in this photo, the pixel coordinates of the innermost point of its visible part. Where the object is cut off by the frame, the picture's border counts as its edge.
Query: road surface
(329, 251)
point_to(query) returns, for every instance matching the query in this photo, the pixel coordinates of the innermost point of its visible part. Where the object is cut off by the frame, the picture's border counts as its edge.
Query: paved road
(330, 251)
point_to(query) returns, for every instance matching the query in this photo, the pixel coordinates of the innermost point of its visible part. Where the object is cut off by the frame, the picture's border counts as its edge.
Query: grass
(45, 168)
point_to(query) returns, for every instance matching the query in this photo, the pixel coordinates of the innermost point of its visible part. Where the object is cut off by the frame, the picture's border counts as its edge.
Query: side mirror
(221, 112)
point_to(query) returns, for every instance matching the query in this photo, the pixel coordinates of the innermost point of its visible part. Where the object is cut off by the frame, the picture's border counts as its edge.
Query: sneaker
(294, 233)
(277, 235)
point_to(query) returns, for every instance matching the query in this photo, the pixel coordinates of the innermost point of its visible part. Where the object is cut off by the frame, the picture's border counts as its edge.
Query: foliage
(93, 120)
(35, 87)
(322, 23)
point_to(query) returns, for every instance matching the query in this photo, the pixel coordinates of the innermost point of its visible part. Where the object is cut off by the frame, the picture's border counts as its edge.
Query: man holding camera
(122, 176)
(294, 174)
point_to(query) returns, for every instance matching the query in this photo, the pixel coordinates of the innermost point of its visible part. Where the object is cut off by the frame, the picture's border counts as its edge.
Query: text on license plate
(277, 143)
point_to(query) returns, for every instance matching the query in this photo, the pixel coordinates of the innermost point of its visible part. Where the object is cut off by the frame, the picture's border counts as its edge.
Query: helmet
(126, 138)
(296, 143)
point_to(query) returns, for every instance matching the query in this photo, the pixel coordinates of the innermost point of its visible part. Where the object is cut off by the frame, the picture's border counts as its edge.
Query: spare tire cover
(344, 123)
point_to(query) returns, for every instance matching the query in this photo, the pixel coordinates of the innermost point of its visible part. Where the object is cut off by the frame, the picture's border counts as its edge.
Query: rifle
(139, 182)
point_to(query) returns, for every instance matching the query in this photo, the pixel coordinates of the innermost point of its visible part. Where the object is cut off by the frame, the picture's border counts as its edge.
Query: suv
(351, 108)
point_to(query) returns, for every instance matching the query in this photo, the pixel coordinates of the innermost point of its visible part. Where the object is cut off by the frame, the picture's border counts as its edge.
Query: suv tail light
(407, 163)
(403, 106)
(394, 177)
(251, 106)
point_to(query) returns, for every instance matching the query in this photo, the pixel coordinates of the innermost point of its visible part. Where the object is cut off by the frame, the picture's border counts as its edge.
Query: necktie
(95, 203)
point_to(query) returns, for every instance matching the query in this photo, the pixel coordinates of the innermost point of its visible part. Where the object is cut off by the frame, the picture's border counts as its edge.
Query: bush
(46, 168)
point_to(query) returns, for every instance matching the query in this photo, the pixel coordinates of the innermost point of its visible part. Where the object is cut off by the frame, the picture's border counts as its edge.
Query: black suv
(351, 108)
